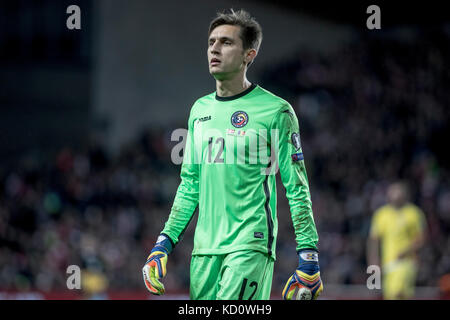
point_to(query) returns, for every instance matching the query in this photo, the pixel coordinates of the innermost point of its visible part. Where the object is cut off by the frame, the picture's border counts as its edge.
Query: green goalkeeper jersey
(234, 147)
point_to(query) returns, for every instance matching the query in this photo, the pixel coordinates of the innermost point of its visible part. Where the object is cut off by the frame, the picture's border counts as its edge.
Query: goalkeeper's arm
(295, 180)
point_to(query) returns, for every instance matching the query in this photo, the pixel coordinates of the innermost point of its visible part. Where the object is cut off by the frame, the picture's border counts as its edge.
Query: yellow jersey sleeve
(378, 224)
(417, 221)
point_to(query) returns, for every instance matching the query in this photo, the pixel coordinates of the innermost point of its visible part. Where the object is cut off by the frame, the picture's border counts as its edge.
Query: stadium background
(86, 117)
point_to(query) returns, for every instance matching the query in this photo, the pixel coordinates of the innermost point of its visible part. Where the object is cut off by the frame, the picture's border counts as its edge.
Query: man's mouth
(214, 62)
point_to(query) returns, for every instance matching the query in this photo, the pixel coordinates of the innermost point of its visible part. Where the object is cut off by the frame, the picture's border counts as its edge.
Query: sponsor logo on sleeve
(297, 156)
(295, 138)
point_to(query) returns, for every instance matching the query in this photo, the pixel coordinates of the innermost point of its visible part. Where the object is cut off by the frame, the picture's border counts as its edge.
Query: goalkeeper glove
(155, 267)
(306, 278)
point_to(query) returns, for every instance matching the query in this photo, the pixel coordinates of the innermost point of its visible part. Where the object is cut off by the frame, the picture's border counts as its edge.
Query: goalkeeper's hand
(306, 278)
(155, 267)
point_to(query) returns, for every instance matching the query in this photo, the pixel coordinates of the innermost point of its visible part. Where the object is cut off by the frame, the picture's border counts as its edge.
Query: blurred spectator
(444, 286)
(396, 236)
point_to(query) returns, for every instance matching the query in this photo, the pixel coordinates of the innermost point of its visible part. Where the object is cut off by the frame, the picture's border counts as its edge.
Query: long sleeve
(294, 177)
(187, 195)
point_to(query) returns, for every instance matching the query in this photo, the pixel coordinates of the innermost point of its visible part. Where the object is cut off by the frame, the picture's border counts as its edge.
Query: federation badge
(239, 119)
(295, 138)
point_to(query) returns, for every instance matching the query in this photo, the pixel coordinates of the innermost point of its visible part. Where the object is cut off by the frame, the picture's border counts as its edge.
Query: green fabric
(223, 173)
(240, 275)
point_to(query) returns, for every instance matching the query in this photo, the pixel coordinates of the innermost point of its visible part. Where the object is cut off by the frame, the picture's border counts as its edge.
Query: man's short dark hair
(251, 31)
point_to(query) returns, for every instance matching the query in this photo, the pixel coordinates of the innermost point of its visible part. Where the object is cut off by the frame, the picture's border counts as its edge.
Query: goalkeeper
(238, 138)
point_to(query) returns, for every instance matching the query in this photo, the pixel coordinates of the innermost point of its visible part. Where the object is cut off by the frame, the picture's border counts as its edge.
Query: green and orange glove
(155, 267)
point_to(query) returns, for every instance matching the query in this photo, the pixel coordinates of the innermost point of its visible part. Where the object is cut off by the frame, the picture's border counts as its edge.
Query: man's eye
(227, 42)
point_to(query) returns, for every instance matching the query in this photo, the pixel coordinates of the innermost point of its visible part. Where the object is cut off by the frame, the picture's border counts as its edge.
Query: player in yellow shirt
(397, 232)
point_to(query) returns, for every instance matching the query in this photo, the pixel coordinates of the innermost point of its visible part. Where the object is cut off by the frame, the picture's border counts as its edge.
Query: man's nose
(215, 47)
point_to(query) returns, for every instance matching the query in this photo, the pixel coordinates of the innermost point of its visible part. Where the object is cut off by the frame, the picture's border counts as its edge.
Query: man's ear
(250, 56)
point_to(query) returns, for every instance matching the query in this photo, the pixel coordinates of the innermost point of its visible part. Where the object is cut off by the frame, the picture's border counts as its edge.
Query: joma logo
(204, 119)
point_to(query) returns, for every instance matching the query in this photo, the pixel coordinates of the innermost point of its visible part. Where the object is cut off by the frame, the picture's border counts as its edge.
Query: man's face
(226, 56)
(397, 195)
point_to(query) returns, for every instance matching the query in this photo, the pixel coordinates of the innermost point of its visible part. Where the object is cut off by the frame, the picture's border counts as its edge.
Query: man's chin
(214, 70)
(217, 74)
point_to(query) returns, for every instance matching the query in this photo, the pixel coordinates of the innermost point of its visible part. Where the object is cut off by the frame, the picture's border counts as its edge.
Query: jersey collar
(236, 96)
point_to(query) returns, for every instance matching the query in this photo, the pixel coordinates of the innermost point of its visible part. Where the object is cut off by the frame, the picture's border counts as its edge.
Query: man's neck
(398, 206)
(228, 88)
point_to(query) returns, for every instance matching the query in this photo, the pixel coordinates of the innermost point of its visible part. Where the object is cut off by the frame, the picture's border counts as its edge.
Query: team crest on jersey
(295, 138)
(239, 119)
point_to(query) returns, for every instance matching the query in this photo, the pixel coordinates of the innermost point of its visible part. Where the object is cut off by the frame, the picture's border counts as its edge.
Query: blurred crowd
(373, 112)
(85, 208)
